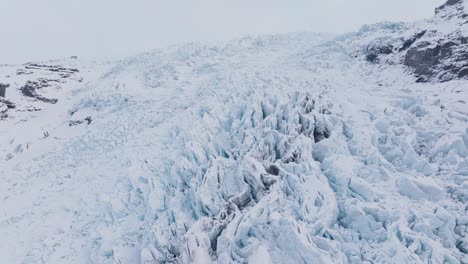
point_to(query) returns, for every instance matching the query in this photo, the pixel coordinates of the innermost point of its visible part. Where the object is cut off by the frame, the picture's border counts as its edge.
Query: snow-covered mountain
(435, 49)
(294, 148)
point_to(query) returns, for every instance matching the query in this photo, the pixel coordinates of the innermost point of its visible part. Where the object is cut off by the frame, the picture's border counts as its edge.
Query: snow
(276, 149)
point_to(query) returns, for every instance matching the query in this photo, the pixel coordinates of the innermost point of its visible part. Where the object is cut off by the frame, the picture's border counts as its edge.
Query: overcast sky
(47, 29)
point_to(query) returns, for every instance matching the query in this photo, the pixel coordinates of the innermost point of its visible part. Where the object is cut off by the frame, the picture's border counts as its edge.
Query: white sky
(47, 29)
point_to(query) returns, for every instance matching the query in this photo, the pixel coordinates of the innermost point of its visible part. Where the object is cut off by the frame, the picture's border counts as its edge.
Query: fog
(47, 29)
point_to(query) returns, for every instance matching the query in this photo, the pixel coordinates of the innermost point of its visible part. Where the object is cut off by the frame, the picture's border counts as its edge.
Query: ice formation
(295, 148)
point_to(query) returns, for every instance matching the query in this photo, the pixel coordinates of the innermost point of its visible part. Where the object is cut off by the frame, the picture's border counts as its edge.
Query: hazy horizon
(50, 29)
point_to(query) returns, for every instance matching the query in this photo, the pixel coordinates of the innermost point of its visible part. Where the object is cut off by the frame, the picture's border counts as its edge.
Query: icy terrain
(296, 148)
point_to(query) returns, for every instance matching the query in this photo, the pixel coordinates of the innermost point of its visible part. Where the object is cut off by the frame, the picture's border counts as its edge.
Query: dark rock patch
(462, 246)
(411, 40)
(463, 73)
(88, 120)
(5, 105)
(8, 104)
(447, 4)
(273, 170)
(432, 55)
(321, 134)
(374, 51)
(40, 78)
(52, 68)
(23, 72)
(29, 90)
(422, 59)
(441, 61)
(295, 156)
(3, 115)
(3, 89)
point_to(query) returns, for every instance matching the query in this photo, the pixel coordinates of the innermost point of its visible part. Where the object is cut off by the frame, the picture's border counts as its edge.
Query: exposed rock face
(449, 3)
(443, 56)
(3, 89)
(435, 51)
(34, 87)
(29, 90)
(442, 61)
(373, 52)
(5, 105)
(62, 71)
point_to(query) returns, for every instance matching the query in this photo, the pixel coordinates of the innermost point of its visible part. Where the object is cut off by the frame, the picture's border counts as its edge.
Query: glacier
(290, 148)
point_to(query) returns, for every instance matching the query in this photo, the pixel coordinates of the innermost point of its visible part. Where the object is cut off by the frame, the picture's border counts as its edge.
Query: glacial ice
(276, 149)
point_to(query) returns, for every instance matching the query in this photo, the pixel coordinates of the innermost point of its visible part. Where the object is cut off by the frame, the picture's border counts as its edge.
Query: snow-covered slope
(433, 49)
(293, 148)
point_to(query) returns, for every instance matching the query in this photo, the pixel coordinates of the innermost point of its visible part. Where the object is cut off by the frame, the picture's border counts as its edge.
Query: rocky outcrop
(5, 105)
(444, 60)
(30, 88)
(35, 86)
(435, 51)
(3, 89)
(450, 4)
(443, 55)
(62, 71)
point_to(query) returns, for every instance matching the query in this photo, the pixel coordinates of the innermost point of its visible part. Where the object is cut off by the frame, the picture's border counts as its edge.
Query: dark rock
(432, 55)
(441, 61)
(3, 89)
(372, 57)
(52, 68)
(453, 2)
(411, 41)
(78, 122)
(374, 51)
(321, 131)
(273, 170)
(74, 122)
(462, 246)
(29, 90)
(463, 73)
(9, 104)
(447, 4)
(320, 134)
(422, 59)
(296, 155)
(89, 120)
(421, 79)
(23, 72)
(3, 115)
(33, 109)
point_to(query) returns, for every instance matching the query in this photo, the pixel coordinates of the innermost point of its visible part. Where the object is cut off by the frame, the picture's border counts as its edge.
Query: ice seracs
(295, 148)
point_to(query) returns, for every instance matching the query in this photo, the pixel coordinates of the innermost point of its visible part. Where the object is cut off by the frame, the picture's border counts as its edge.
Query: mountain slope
(296, 148)
(434, 50)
